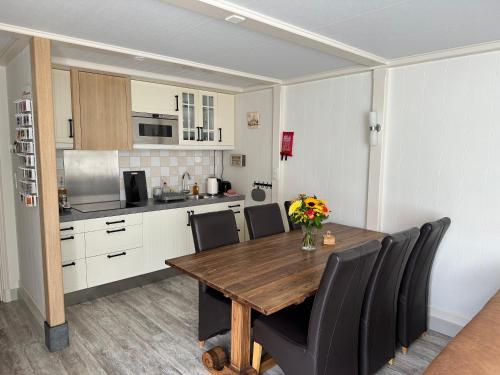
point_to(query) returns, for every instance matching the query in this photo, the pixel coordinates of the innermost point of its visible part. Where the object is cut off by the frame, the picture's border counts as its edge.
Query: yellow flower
(311, 202)
(294, 207)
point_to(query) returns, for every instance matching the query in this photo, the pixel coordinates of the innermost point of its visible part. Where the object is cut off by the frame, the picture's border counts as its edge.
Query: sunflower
(311, 202)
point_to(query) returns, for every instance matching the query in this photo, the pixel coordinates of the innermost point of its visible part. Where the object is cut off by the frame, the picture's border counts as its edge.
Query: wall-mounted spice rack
(25, 149)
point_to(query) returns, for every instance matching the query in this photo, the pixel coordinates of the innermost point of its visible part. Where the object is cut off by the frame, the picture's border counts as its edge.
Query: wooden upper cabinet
(101, 111)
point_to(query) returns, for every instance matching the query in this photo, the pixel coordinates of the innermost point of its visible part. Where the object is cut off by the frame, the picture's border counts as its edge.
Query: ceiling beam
(132, 52)
(258, 22)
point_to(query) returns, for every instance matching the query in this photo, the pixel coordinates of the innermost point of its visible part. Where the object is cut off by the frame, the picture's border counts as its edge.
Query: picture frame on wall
(253, 120)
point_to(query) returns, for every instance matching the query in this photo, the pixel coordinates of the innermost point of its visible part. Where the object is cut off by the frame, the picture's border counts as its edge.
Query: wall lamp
(374, 128)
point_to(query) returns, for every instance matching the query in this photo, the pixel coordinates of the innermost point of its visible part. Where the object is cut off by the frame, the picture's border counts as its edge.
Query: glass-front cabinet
(198, 117)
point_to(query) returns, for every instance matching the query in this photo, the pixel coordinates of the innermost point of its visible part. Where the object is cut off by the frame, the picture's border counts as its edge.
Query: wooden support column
(377, 153)
(41, 67)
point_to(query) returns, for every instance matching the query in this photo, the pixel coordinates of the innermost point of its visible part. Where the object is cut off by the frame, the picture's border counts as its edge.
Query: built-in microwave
(155, 129)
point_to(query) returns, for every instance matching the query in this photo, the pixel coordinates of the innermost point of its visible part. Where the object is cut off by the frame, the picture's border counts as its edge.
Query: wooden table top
(270, 273)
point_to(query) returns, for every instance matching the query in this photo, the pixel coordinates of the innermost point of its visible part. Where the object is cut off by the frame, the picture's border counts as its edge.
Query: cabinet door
(225, 120)
(189, 132)
(63, 117)
(154, 98)
(208, 112)
(101, 109)
(164, 236)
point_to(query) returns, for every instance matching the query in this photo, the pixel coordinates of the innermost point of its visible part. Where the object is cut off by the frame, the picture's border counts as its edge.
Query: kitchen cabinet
(225, 120)
(101, 111)
(107, 249)
(63, 115)
(154, 98)
(198, 120)
(164, 236)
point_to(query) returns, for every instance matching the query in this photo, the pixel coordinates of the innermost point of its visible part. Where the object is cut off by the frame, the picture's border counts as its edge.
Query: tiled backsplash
(162, 166)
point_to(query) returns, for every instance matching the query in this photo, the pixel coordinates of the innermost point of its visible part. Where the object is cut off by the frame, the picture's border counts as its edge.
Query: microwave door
(155, 131)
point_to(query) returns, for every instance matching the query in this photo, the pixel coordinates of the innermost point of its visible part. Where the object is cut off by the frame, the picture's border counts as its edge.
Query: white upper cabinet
(208, 110)
(225, 120)
(155, 98)
(63, 117)
(189, 123)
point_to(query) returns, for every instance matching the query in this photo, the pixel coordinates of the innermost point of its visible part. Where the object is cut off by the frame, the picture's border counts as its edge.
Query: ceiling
(239, 56)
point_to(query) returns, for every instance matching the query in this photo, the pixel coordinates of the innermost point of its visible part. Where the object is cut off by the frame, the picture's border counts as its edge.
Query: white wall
(7, 193)
(27, 219)
(443, 159)
(330, 144)
(256, 144)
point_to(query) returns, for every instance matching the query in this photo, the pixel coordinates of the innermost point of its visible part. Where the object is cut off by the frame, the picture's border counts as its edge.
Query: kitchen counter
(146, 206)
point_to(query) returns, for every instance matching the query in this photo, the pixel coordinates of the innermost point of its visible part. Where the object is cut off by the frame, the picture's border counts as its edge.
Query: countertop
(146, 206)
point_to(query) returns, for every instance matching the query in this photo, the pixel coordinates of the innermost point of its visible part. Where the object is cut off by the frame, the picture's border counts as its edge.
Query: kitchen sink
(196, 197)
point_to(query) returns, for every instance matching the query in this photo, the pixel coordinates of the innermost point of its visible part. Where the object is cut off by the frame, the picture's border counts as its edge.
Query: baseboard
(445, 322)
(36, 314)
(9, 295)
(100, 291)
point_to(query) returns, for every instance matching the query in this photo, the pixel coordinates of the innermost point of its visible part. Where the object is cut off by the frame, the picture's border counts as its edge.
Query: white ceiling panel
(156, 27)
(6, 39)
(67, 52)
(391, 28)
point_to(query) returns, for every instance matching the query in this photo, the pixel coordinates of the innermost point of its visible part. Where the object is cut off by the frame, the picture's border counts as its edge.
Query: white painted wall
(331, 151)
(256, 144)
(27, 219)
(443, 159)
(7, 195)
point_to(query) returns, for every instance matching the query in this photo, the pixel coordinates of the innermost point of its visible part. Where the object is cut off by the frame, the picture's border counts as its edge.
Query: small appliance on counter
(135, 186)
(212, 186)
(224, 186)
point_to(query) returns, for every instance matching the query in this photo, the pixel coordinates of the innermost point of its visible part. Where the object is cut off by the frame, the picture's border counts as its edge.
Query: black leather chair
(414, 291)
(212, 230)
(264, 220)
(377, 329)
(291, 224)
(321, 335)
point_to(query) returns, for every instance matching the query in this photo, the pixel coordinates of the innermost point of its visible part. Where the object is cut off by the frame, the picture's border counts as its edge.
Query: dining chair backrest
(414, 290)
(333, 325)
(291, 224)
(377, 331)
(213, 229)
(264, 220)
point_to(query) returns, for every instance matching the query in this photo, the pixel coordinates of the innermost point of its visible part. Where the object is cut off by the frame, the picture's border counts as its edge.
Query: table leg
(240, 336)
(215, 360)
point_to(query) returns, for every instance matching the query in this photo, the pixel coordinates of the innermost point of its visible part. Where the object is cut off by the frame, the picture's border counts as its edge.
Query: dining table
(265, 275)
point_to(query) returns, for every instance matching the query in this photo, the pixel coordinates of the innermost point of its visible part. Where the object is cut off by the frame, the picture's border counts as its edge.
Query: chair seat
(291, 324)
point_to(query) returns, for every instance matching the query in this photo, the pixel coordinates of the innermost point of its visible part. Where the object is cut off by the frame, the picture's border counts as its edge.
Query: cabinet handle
(238, 230)
(68, 238)
(116, 230)
(234, 205)
(220, 134)
(189, 217)
(117, 255)
(236, 212)
(69, 264)
(70, 122)
(200, 134)
(68, 228)
(114, 222)
(177, 103)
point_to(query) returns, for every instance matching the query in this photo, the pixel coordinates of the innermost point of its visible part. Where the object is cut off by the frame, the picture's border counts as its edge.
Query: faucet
(185, 185)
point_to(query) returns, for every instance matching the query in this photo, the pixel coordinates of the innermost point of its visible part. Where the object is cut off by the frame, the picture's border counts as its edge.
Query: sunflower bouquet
(309, 212)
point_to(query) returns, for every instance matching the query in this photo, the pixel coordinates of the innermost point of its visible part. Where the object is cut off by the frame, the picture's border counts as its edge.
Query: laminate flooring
(146, 330)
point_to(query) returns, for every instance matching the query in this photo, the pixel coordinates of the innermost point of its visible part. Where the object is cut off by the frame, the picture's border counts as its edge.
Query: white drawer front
(112, 222)
(113, 239)
(74, 275)
(72, 246)
(115, 266)
(72, 227)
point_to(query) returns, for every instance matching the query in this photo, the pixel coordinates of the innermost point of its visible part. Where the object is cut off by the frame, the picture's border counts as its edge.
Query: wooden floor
(147, 330)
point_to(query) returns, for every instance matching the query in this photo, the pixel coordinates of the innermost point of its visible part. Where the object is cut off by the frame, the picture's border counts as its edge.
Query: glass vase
(309, 237)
